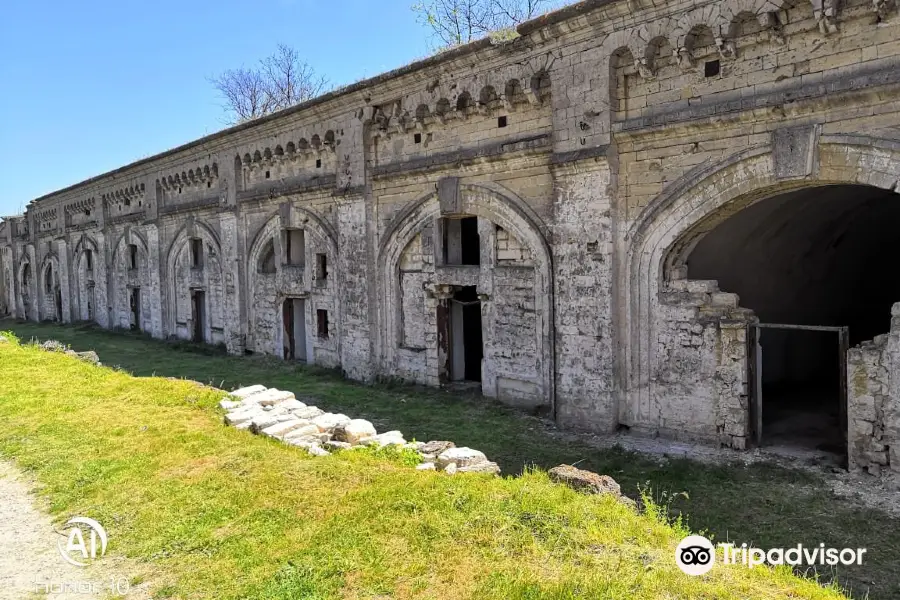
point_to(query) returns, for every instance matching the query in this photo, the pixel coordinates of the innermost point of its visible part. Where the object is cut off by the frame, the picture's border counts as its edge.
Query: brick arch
(488, 201)
(665, 232)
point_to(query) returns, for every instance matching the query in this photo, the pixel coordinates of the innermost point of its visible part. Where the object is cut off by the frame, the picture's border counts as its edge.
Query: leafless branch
(455, 22)
(280, 81)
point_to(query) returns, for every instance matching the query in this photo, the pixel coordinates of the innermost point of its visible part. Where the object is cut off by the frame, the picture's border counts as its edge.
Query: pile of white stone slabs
(280, 415)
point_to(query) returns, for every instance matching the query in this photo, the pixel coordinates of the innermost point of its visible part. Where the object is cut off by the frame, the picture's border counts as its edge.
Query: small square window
(501, 121)
(417, 138)
(712, 68)
(318, 163)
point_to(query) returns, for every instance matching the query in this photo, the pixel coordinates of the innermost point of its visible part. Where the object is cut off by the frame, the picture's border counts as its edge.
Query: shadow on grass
(765, 505)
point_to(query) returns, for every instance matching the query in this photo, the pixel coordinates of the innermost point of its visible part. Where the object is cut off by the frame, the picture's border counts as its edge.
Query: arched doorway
(812, 264)
(789, 233)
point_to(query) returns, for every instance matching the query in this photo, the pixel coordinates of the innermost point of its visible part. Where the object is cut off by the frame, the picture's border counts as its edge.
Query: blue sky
(89, 86)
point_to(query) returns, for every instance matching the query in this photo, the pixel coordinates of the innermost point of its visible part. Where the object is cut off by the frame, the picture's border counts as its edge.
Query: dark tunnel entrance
(817, 257)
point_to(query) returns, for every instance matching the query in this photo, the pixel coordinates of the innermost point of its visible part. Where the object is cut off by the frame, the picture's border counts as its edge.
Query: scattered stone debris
(280, 415)
(53, 346)
(588, 481)
(87, 356)
(57, 346)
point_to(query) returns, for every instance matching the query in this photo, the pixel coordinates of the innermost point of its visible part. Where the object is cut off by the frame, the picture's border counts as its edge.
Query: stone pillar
(231, 274)
(582, 242)
(65, 287)
(356, 272)
(101, 276)
(154, 293)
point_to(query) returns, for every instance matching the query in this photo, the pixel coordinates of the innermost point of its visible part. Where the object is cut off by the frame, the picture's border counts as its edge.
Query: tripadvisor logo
(696, 555)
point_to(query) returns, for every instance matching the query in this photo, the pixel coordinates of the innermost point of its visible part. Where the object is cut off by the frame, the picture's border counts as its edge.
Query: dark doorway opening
(134, 302)
(466, 343)
(817, 261)
(198, 316)
(799, 394)
(294, 335)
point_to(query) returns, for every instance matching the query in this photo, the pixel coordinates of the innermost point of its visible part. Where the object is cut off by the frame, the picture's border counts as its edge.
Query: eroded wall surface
(593, 150)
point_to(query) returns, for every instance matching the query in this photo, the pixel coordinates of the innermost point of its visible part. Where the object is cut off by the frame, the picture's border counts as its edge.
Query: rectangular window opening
(501, 121)
(462, 243)
(417, 138)
(322, 323)
(321, 268)
(132, 256)
(294, 247)
(89, 260)
(267, 174)
(318, 163)
(196, 252)
(712, 68)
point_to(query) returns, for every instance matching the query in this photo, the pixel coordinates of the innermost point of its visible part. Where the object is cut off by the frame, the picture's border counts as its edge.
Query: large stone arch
(266, 292)
(501, 207)
(182, 279)
(49, 277)
(90, 284)
(123, 279)
(27, 297)
(658, 292)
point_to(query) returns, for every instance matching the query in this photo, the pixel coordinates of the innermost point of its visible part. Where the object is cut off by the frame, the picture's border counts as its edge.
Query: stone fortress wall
(553, 184)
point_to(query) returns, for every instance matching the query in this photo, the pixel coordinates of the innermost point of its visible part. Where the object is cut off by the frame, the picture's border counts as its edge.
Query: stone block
(355, 431)
(327, 422)
(245, 392)
(461, 457)
(282, 428)
(309, 412)
(271, 397)
(305, 430)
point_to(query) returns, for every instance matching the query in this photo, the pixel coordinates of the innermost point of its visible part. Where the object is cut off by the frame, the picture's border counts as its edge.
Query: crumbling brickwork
(519, 216)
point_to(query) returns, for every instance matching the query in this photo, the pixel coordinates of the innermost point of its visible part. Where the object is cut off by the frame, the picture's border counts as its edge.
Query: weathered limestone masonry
(519, 216)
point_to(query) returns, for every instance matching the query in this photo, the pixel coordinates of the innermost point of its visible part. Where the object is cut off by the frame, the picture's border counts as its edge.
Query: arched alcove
(746, 239)
(425, 294)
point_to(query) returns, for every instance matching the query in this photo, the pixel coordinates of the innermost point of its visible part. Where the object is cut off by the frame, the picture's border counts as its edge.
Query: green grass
(212, 512)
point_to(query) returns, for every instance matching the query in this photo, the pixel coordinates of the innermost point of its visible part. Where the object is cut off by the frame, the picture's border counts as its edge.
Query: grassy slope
(226, 514)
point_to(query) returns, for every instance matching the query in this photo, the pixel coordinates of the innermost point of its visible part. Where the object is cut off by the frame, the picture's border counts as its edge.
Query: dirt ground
(30, 563)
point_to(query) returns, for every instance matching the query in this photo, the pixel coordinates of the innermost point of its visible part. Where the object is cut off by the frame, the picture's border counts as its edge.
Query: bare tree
(455, 22)
(281, 80)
